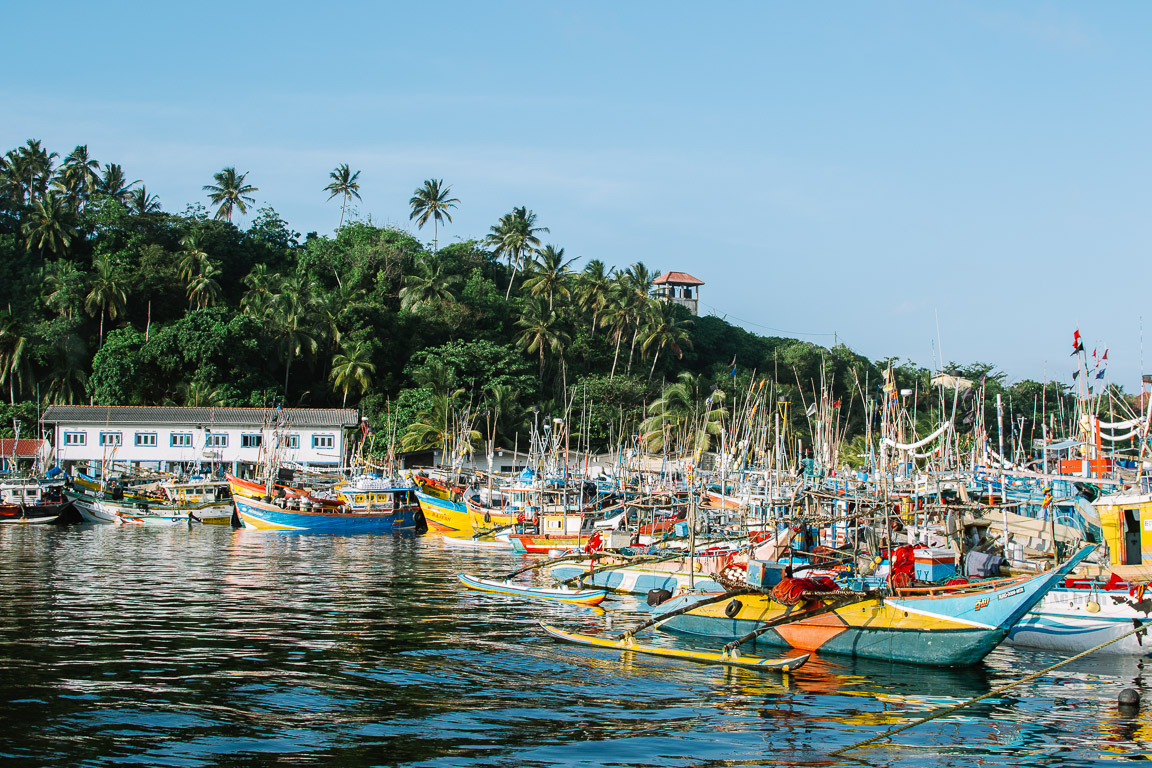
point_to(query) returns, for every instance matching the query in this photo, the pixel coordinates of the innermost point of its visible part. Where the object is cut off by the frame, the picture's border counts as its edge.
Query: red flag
(1076, 338)
(1105, 354)
(836, 404)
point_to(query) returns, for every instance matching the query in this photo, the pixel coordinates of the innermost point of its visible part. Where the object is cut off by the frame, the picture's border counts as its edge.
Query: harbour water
(212, 647)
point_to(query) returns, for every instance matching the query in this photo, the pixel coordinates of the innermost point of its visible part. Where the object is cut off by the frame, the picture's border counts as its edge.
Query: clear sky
(874, 170)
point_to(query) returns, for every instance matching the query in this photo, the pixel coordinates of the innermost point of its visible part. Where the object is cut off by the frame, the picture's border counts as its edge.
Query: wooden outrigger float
(629, 645)
(554, 594)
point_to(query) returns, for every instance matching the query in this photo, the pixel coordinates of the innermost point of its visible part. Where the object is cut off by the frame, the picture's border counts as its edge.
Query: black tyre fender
(733, 608)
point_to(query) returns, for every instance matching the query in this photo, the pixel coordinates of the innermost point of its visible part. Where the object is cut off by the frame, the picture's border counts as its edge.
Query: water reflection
(208, 646)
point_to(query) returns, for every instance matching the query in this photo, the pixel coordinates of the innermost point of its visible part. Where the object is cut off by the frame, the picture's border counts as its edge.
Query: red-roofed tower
(678, 288)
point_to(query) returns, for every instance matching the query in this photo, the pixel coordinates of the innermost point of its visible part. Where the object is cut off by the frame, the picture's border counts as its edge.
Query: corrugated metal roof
(201, 417)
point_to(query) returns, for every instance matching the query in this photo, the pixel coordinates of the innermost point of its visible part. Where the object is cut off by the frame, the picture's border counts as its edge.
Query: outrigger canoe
(559, 594)
(701, 657)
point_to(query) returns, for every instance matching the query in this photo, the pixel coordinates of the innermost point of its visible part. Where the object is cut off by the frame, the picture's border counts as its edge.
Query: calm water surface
(207, 646)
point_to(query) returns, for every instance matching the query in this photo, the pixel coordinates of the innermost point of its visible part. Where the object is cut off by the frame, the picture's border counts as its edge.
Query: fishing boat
(629, 645)
(554, 594)
(104, 509)
(937, 626)
(393, 508)
(31, 502)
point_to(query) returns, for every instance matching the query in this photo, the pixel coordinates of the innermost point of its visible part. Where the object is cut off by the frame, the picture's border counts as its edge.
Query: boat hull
(269, 517)
(938, 627)
(1062, 621)
(553, 594)
(636, 580)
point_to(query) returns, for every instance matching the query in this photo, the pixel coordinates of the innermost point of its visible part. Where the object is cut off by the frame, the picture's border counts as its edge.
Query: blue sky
(871, 170)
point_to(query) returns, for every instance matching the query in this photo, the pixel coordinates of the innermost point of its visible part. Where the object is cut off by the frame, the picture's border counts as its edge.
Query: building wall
(195, 444)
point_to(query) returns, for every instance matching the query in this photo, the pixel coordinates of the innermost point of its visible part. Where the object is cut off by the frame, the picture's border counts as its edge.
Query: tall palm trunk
(514, 266)
(632, 349)
(287, 368)
(615, 357)
(654, 359)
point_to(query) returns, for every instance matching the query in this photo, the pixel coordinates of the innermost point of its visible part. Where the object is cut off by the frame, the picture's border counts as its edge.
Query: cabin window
(217, 440)
(110, 438)
(75, 438)
(146, 439)
(1132, 537)
(323, 441)
(251, 441)
(181, 440)
(359, 499)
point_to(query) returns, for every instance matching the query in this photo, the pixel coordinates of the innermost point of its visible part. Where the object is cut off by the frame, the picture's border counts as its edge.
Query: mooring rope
(990, 694)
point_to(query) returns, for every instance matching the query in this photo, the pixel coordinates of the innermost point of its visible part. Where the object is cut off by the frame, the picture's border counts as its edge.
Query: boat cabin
(1126, 520)
(30, 492)
(196, 491)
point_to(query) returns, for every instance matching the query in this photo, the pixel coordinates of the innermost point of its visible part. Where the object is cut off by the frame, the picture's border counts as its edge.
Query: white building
(188, 440)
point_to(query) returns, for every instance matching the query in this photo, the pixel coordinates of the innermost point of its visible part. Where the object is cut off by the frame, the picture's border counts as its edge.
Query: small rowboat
(701, 657)
(560, 594)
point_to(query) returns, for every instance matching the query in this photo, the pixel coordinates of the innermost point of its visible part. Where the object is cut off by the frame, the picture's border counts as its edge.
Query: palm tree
(201, 394)
(290, 322)
(79, 175)
(62, 286)
(107, 295)
(427, 287)
(345, 183)
(539, 333)
(230, 192)
(141, 203)
(67, 381)
(664, 330)
(431, 201)
(32, 165)
(115, 184)
(50, 225)
(617, 316)
(435, 427)
(203, 290)
(592, 289)
(551, 274)
(515, 235)
(352, 368)
(12, 345)
(678, 419)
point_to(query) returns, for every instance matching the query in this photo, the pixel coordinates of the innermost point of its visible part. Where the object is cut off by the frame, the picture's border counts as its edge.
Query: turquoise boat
(936, 626)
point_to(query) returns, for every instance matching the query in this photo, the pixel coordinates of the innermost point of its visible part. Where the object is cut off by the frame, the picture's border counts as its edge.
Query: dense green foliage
(111, 300)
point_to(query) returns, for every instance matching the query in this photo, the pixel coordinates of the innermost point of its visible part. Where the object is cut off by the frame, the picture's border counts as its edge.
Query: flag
(1102, 372)
(1047, 498)
(1105, 354)
(836, 404)
(1075, 375)
(811, 409)
(733, 371)
(1077, 345)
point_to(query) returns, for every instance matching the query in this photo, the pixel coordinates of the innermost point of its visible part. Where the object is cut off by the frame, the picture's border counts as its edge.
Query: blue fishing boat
(395, 510)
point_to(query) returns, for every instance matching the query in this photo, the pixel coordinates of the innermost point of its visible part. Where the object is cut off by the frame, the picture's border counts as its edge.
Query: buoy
(1092, 607)
(1129, 701)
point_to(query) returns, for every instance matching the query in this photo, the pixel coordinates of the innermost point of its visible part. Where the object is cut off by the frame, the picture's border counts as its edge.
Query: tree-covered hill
(107, 298)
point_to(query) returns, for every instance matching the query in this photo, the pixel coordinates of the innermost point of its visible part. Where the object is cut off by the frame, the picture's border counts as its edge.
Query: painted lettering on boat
(1010, 593)
(982, 603)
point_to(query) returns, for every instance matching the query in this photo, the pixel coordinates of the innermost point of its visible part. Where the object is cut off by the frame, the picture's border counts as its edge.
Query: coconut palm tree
(550, 275)
(67, 380)
(427, 287)
(681, 418)
(290, 322)
(115, 184)
(141, 203)
(230, 192)
(107, 296)
(201, 394)
(12, 346)
(50, 225)
(664, 330)
(352, 368)
(540, 334)
(79, 175)
(515, 236)
(431, 201)
(203, 290)
(592, 290)
(62, 287)
(32, 165)
(346, 183)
